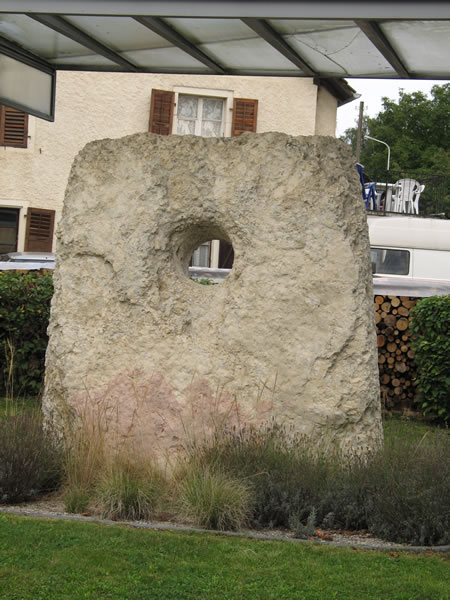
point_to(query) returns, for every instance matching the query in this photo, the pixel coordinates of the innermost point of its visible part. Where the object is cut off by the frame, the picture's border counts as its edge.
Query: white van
(413, 249)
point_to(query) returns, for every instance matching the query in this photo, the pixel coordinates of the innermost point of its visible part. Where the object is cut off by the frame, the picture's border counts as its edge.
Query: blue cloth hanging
(367, 189)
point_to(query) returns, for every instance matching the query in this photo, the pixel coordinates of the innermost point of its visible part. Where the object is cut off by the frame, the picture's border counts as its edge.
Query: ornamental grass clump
(132, 487)
(76, 499)
(84, 458)
(30, 456)
(212, 498)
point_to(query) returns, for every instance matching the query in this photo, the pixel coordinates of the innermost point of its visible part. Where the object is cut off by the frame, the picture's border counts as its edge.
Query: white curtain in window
(187, 107)
(185, 127)
(187, 114)
(200, 116)
(200, 257)
(212, 109)
(212, 117)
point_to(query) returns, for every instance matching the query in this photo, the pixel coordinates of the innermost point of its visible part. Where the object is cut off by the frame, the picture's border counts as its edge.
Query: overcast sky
(372, 91)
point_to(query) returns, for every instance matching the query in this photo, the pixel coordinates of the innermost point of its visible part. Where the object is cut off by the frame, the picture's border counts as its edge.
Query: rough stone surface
(165, 358)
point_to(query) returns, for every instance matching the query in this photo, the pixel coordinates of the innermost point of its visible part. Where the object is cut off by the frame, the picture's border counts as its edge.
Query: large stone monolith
(289, 335)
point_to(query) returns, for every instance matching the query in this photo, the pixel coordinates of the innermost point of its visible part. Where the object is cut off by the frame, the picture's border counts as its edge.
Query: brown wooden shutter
(39, 232)
(245, 112)
(161, 112)
(13, 127)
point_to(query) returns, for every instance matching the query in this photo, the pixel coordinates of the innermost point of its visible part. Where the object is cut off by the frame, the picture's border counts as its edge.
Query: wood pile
(395, 354)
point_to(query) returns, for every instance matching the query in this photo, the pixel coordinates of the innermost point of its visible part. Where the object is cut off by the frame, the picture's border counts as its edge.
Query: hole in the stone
(212, 261)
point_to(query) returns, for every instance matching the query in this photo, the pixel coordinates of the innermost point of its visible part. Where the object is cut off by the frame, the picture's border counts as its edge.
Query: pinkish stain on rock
(146, 410)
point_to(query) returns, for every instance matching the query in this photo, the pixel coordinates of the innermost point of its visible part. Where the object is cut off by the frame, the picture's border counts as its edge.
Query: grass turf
(57, 560)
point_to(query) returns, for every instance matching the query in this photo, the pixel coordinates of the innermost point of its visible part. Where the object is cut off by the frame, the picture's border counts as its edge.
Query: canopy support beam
(164, 30)
(65, 28)
(378, 39)
(272, 37)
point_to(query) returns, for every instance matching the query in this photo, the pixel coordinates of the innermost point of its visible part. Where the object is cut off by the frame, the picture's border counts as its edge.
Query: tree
(416, 128)
(350, 135)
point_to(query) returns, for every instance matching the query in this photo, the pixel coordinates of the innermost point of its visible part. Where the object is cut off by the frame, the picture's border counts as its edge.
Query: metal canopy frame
(385, 31)
(60, 25)
(267, 9)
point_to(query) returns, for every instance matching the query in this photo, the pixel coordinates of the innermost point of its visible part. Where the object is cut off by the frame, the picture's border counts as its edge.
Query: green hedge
(24, 317)
(431, 326)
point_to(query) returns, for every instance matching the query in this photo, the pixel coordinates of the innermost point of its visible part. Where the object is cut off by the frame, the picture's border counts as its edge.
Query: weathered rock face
(289, 334)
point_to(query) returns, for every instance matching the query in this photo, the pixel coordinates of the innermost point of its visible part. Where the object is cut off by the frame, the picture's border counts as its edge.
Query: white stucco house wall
(89, 106)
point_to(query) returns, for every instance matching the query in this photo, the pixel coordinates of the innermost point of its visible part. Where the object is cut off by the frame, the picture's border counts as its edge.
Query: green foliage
(212, 498)
(431, 326)
(24, 316)
(408, 490)
(30, 458)
(131, 488)
(416, 129)
(303, 532)
(76, 499)
(399, 493)
(84, 457)
(204, 281)
(350, 135)
(289, 477)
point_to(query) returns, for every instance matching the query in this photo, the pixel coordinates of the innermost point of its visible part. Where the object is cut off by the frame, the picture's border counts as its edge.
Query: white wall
(99, 105)
(326, 113)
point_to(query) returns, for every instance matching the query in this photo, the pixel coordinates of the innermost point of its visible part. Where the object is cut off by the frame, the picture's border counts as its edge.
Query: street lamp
(368, 137)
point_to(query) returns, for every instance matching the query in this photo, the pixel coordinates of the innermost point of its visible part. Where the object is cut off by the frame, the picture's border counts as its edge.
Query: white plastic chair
(416, 199)
(405, 189)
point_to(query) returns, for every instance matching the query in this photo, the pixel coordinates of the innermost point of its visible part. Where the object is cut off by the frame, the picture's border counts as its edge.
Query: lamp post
(368, 137)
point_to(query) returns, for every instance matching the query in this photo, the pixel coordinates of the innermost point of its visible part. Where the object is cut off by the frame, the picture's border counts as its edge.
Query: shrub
(213, 499)
(287, 477)
(300, 530)
(131, 487)
(24, 316)
(204, 281)
(408, 490)
(30, 459)
(343, 501)
(431, 325)
(400, 493)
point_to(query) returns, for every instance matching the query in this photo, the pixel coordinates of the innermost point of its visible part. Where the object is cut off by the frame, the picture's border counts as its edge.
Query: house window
(200, 116)
(13, 127)
(9, 229)
(209, 113)
(202, 256)
(217, 254)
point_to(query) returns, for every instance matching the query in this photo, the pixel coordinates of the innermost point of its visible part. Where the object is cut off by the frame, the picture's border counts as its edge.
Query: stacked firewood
(395, 354)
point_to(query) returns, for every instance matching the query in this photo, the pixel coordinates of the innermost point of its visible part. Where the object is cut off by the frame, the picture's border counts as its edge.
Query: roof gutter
(339, 88)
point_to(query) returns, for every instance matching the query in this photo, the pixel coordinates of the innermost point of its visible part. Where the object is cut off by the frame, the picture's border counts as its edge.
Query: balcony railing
(433, 200)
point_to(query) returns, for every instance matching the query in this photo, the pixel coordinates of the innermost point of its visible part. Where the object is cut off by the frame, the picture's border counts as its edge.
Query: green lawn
(56, 560)
(412, 429)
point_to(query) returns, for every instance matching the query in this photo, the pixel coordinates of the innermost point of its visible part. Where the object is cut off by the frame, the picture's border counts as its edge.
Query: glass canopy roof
(325, 40)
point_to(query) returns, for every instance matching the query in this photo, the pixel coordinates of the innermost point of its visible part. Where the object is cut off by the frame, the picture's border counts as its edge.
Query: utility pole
(359, 132)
